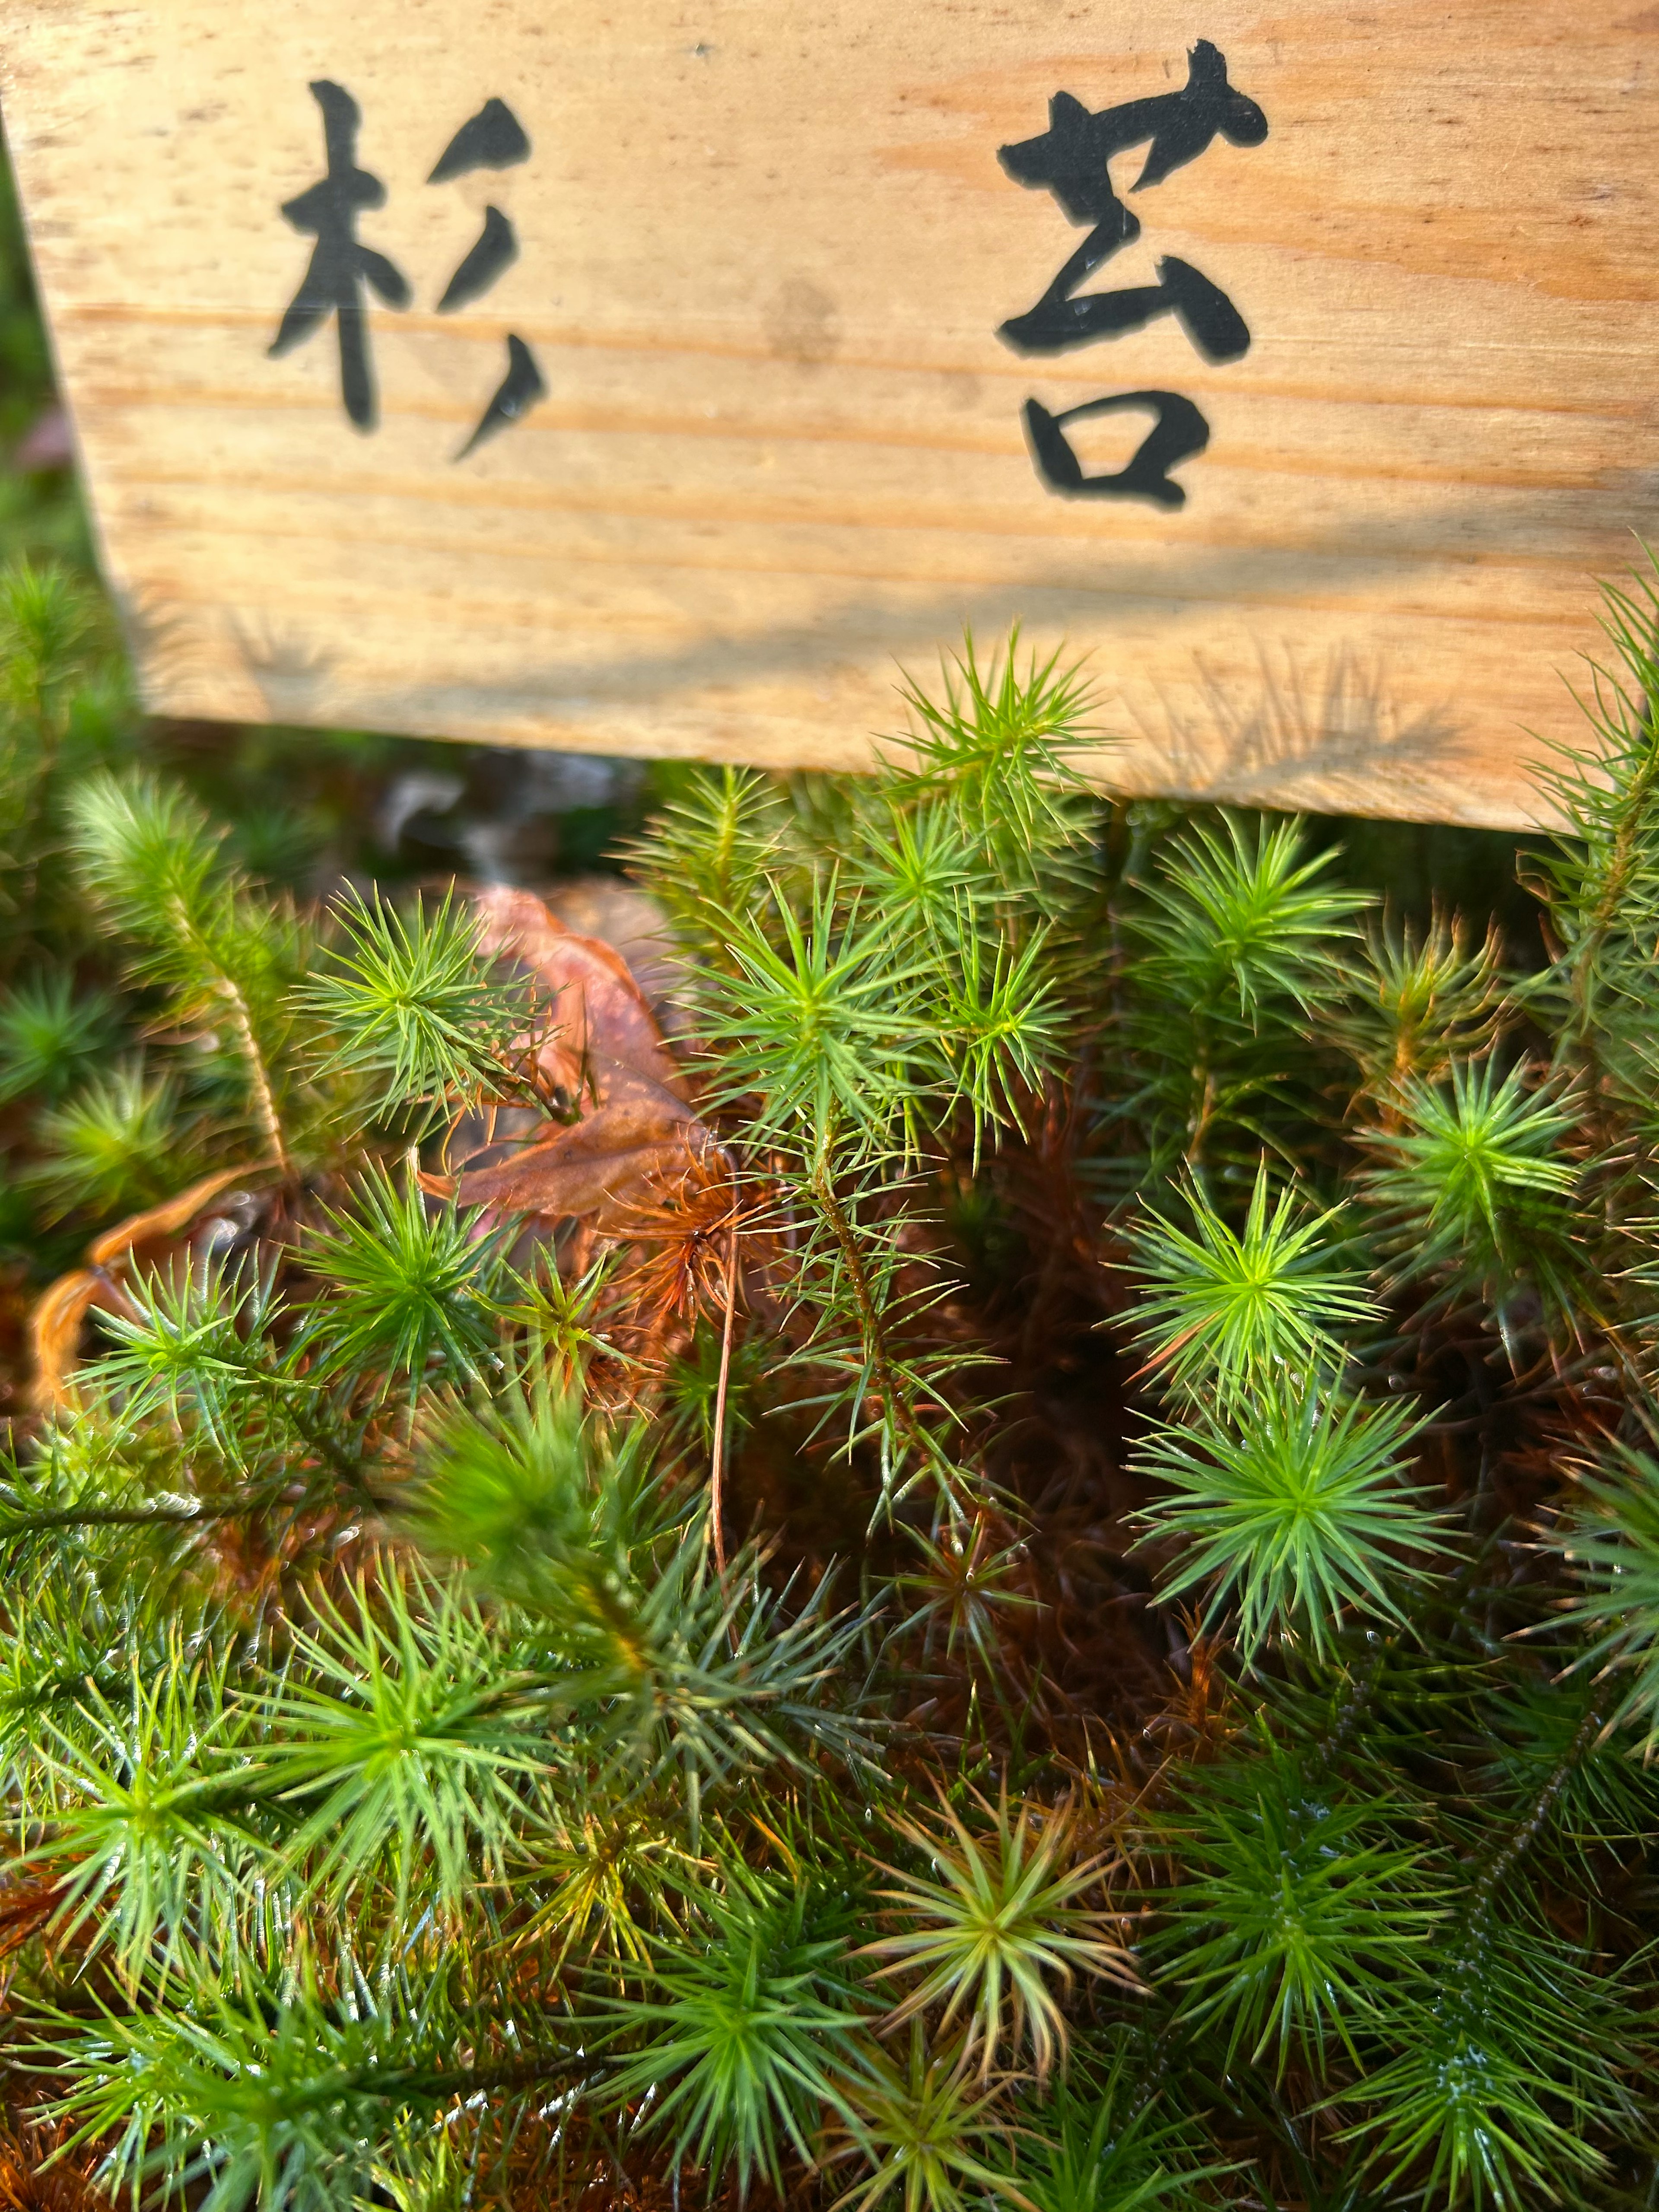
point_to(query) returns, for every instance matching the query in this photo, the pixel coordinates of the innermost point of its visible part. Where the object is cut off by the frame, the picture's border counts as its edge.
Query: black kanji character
(1179, 433)
(494, 139)
(341, 264)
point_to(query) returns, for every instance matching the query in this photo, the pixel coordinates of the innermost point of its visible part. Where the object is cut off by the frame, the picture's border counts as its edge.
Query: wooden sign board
(662, 376)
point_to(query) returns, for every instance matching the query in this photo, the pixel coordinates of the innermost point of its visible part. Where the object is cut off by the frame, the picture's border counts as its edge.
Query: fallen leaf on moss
(606, 1038)
(603, 1052)
(142, 1240)
(143, 1237)
(55, 1331)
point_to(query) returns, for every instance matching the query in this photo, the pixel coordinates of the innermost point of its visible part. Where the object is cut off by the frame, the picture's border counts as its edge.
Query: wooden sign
(664, 376)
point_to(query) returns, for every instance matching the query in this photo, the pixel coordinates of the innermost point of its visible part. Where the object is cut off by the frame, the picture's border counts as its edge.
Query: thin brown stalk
(264, 1103)
(227, 989)
(717, 1452)
(893, 1398)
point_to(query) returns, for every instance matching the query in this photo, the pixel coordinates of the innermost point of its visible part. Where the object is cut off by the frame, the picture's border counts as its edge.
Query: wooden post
(661, 378)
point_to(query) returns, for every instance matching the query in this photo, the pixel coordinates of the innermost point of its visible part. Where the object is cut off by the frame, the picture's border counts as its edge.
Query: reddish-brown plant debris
(631, 1126)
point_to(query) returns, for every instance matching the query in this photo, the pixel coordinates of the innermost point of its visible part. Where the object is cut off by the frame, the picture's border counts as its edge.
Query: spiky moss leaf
(706, 1679)
(410, 1001)
(1420, 1001)
(1293, 1514)
(1000, 749)
(1295, 1907)
(711, 851)
(1474, 1185)
(83, 1653)
(1100, 2142)
(1001, 1027)
(749, 2035)
(1560, 1763)
(918, 867)
(1226, 1313)
(1611, 1540)
(545, 1504)
(50, 1034)
(1240, 950)
(609, 1569)
(968, 1580)
(929, 2130)
(1599, 880)
(151, 1805)
(995, 1931)
(692, 1389)
(148, 854)
(405, 1732)
(819, 1031)
(273, 2087)
(148, 857)
(1507, 2052)
(610, 1875)
(1238, 926)
(415, 1284)
(47, 618)
(119, 1143)
(190, 1346)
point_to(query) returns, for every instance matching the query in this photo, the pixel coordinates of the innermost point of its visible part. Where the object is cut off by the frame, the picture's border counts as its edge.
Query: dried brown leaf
(143, 1240)
(604, 1052)
(607, 1042)
(602, 1166)
(55, 1331)
(142, 1234)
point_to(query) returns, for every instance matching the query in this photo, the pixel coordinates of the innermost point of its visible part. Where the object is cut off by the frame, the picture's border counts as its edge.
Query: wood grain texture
(765, 251)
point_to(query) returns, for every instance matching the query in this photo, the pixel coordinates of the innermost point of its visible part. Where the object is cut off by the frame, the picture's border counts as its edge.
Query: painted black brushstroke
(494, 139)
(516, 394)
(1179, 433)
(1070, 158)
(495, 250)
(341, 264)
(1059, 321)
